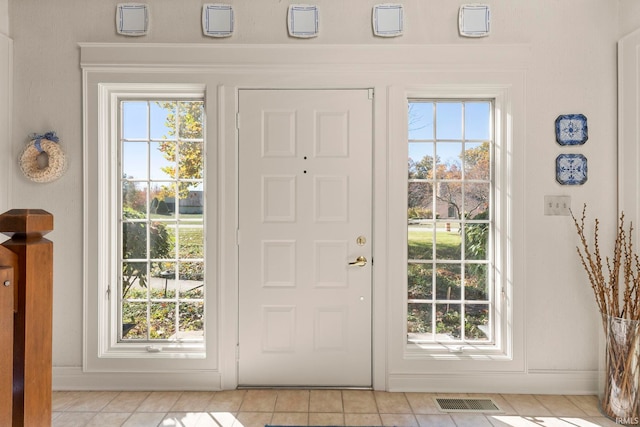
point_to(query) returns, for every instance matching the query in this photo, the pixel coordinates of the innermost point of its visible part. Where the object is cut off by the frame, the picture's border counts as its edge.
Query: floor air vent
(467, 405)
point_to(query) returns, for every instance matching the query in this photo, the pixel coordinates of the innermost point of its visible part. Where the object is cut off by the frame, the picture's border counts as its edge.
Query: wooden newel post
(34, 303)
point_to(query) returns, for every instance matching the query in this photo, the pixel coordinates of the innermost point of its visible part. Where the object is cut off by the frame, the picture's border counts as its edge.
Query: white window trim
(102, 351)
(414, 366)
(109, 99)
(500, 348)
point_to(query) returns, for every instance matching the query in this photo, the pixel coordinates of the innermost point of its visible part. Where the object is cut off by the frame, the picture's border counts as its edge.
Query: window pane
(449, 195)
(477, 116)
(421, 120)
(162, 162)
(192, 206)
(134, 321)
(191, 162)
(134, 120)
(448, 321)
(420, 242)
(449, 120)
(191, 320)
(448, 241)
(421, 160)
(420, 201)
(134, 240)
(477, 322)
(163, 280)
(134, 280)
(163, 315)
(190, 119)
(134, 199)
(163, 205)
(134, 160)
(161, 244)
(191, 280)
(476, 282)
(476, 241)
(419, 319)
(477, 161)
(448, 163)
(163, 120)
(191, 241)
(476, 200)
(448, 280)
(420, 284)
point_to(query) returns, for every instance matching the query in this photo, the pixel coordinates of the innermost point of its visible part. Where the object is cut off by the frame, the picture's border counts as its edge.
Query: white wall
(4, 17)
(573, 70)
(6, 68)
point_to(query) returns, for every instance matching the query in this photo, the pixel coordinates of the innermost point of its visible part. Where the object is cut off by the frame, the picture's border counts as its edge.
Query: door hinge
(109, 291)
(371, 93)
(237, 352)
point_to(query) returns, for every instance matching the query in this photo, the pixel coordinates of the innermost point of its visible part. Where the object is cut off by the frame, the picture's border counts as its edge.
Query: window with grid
(450, 292)
(161, 245)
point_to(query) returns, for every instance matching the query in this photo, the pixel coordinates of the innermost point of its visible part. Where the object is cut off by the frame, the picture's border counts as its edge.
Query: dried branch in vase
(616, 290)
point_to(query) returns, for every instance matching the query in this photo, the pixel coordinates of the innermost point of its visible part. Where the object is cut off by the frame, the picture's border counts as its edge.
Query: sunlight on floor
(226, 419)
(201, 419)
(517, 421)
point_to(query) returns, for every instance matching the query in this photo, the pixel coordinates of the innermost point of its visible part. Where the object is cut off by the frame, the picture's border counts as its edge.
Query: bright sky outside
(448, 126)
(135, 127)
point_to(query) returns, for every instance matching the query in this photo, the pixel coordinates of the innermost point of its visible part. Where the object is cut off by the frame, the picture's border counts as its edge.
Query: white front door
(305, 214)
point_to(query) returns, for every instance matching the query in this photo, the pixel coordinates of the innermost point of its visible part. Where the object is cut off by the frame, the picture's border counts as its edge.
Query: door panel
(305, 213)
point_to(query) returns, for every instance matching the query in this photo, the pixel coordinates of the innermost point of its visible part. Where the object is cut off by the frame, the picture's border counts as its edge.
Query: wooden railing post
(32, 323)
(7, 285)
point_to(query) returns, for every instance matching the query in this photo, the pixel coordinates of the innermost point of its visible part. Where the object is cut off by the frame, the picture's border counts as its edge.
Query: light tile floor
(249, 408)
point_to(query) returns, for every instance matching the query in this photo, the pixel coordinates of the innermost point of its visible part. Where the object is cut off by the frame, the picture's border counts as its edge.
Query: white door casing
(305, 185)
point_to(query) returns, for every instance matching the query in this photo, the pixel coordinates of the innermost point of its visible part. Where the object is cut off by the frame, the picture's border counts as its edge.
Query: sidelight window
(451, 296)
(161, 250)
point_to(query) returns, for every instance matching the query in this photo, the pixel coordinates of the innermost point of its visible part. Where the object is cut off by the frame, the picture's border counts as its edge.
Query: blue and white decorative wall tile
(474, 20)
(217, 20)
(388, 20)
(571, 129)
(302, 20)
(132, 19)
(571, 169)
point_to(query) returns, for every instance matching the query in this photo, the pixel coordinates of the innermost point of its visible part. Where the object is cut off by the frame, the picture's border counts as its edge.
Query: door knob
(360, 261)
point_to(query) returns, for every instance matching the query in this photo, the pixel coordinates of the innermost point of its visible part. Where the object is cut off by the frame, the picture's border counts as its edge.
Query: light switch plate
(557, 205)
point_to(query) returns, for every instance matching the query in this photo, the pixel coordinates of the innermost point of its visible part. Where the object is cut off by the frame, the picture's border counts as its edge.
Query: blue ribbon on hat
(51, 136)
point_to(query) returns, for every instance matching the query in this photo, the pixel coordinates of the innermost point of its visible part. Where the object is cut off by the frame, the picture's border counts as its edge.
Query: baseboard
(531, 382)
(73, 378)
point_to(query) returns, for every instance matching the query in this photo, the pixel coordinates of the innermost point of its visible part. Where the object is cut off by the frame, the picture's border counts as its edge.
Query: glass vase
(622, 370)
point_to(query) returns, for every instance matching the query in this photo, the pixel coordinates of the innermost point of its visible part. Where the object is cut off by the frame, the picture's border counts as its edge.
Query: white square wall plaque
(132, 19)
(302, 20)
(474, 20)
(217, 20)
(388, 20)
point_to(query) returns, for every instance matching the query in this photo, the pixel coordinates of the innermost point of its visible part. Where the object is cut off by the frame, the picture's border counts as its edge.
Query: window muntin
(450, 294)
(161, 216)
